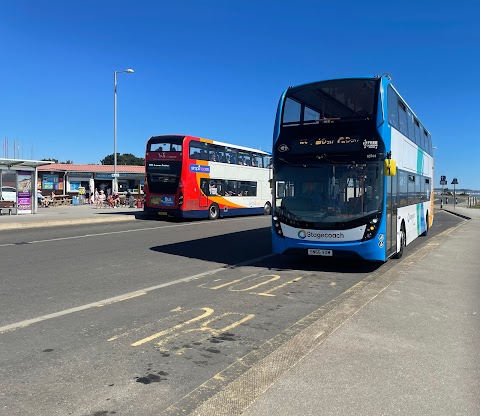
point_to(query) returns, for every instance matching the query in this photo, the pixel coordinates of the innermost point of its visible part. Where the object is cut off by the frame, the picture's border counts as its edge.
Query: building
(74, 179)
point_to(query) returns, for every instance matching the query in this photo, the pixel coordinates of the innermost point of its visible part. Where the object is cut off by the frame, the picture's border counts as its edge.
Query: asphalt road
(153, 317)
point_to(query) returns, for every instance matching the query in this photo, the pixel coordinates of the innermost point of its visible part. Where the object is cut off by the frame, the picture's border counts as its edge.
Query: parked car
(9, 193)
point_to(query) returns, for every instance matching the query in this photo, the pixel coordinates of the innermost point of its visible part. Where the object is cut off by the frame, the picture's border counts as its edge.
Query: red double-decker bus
(191, 177)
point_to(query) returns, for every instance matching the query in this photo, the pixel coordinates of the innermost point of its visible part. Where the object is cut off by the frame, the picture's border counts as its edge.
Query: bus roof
(235, 146)
(376, 77)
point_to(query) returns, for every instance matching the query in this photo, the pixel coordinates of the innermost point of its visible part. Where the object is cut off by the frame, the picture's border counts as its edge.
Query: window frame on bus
(399, 117)
(202, 150)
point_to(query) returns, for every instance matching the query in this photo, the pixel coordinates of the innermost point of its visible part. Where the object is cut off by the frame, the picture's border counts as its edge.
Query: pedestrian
(130, 199)
(41, 199)
(101, 199)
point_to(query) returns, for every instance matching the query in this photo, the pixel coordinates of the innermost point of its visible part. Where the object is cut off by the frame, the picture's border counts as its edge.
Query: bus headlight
(371, 228)
(277, 227)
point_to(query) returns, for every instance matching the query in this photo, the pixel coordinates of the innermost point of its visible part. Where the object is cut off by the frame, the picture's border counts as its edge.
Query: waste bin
(75, 200)
(139, 203)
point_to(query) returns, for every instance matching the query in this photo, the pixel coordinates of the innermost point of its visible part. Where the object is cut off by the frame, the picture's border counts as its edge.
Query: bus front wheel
(213, 212)
(267, 209)
(403, 242)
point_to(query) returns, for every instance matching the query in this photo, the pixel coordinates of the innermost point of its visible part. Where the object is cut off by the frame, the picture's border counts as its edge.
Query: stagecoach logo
(283, 148)
(319, 235)
(199, 168)
(370, 144)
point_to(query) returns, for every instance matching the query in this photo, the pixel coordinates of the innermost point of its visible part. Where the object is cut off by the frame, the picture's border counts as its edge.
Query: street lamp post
(115, 179)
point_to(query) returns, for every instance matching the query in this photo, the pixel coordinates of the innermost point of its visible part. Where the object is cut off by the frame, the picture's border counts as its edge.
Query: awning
(22, 163)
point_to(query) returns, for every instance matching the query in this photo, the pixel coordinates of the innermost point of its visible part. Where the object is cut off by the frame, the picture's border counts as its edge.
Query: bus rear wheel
(267, 209)
(403, 242)
(426, 225)
(213, 212)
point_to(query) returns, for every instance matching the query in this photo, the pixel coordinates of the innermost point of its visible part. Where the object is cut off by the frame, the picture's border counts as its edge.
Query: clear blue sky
(216, 69)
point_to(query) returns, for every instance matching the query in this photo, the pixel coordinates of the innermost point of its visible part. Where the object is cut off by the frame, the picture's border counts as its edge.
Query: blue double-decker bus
(352, 171)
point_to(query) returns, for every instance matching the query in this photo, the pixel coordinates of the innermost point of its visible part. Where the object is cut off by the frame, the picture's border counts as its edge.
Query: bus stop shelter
(19, 183)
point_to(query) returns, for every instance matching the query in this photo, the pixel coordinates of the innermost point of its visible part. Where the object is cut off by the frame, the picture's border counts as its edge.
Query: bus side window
(230, 155)
(257, 161)
(403, 189)
(195, 150)
(230, 188)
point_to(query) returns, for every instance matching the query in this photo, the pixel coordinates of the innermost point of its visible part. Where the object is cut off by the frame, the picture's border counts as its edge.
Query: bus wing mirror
(390, 167)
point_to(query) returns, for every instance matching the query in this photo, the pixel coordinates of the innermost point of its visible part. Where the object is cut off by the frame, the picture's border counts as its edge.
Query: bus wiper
(335, 160)
(286, 213)
(291, 164)
(327, 120)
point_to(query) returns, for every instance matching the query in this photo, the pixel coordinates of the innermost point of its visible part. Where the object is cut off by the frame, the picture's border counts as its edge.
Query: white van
(9, 193)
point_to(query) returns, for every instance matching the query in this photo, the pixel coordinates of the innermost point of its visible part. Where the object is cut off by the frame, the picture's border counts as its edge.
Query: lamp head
(130, 71)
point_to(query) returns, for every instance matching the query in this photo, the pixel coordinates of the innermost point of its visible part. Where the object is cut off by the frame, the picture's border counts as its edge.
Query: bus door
(203, 193)
(391, 238)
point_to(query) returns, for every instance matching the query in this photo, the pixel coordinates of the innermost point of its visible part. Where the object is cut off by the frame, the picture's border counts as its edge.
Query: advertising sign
(52, 183)
(24, 192)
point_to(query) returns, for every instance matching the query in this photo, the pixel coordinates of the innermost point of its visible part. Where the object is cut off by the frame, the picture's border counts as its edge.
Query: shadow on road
(234, 248)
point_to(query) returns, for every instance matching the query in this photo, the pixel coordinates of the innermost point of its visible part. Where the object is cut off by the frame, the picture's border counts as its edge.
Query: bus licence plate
(319, 252)
(162, 213)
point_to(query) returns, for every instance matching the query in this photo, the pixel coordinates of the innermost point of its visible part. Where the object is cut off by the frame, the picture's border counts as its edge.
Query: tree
(68, 162)
(125, 159)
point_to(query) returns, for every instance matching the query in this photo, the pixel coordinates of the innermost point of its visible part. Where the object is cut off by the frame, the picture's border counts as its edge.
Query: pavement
(402, 343)
(68, 215)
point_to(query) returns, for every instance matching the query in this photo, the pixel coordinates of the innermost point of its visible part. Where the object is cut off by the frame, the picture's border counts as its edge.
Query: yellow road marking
(235, 324)
(206, 328)
(268, 292)
(274, 277)
(228, 283)
(208, 312)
